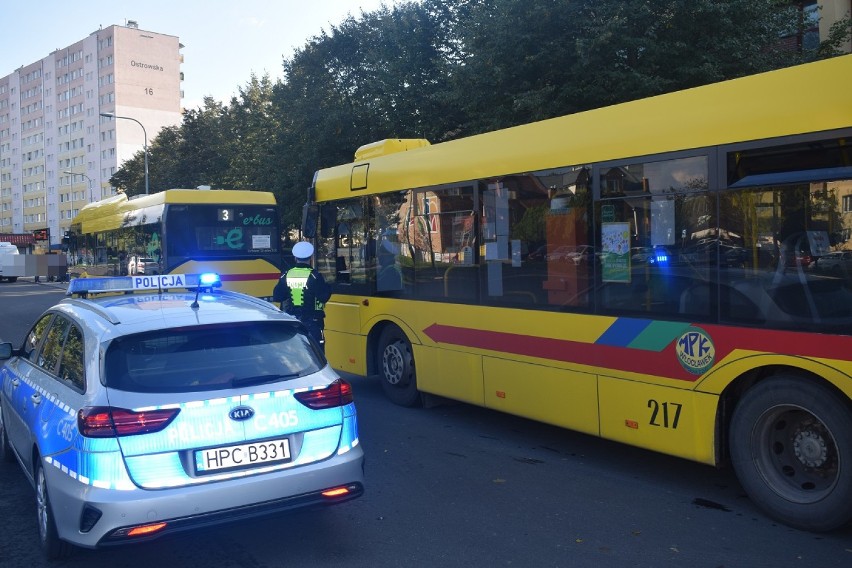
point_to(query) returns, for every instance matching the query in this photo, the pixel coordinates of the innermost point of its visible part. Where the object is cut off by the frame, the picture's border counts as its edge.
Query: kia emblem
(241, 413)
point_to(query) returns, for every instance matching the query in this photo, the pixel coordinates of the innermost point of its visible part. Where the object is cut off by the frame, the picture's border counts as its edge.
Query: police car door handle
(36, 398)
(15, 383)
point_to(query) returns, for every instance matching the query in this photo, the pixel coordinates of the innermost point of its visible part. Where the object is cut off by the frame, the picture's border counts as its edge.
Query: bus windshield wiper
(260, 379)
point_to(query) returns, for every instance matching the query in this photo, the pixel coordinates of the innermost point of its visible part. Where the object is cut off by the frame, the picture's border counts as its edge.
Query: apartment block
(57, 151)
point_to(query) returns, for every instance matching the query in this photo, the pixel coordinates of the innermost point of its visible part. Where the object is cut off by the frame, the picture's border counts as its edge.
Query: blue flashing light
(209, 279)
(662, 259)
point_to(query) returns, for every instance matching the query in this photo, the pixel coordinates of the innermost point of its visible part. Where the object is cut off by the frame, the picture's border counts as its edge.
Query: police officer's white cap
(302, 250)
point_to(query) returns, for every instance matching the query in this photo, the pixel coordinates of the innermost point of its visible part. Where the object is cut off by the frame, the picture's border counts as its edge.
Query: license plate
(242, 455)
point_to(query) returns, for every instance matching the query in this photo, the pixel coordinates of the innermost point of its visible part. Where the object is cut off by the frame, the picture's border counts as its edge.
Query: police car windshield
(210, 357)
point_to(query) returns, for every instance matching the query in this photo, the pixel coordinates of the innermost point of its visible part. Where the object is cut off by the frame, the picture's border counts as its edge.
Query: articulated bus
(654, 273)
(234, 233)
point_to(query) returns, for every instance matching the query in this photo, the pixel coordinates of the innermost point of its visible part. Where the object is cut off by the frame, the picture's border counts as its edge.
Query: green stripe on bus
(658, 335)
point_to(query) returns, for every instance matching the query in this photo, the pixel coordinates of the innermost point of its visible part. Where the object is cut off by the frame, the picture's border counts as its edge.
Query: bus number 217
(665, 414)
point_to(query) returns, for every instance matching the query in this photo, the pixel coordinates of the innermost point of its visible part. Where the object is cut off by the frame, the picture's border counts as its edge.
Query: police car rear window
(210, 357)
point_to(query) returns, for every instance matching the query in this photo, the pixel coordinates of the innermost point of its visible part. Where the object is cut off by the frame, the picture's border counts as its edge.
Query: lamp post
(72, 189)
(144, 133)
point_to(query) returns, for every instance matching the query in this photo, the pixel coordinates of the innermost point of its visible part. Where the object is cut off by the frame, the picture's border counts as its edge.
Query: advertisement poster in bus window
(819, 242)
(615, 249)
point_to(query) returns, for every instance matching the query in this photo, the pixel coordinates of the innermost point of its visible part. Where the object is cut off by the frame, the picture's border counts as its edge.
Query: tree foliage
(443, 69)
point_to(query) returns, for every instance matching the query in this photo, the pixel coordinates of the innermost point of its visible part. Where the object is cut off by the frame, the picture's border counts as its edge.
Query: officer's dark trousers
(315, 328)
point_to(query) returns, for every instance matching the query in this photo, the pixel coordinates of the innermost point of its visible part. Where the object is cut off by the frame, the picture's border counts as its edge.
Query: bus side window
(341, 269)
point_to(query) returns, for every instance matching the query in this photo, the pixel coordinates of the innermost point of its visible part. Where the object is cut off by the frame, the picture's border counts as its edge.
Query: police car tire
(396, 367)
(778, 425)
(5, 450)
(53, 547)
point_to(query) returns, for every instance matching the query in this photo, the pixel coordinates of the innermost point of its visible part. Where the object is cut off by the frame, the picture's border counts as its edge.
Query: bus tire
(791, 447)
(396, 367)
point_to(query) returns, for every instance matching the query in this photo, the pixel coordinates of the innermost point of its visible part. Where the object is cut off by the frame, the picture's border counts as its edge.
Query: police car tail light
(338, 393)
(108, 421)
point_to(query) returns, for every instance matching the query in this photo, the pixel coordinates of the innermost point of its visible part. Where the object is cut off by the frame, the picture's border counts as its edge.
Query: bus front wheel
(396, 367)
(791, 447)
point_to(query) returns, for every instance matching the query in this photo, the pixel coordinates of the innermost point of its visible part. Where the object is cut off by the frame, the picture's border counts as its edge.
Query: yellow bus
(648, 272)
(234, 233)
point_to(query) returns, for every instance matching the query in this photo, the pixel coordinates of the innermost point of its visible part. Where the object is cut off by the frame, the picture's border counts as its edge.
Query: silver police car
(168, 404)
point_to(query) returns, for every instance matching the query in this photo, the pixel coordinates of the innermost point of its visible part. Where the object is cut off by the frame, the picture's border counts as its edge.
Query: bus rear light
(108, 421)
(338, 393)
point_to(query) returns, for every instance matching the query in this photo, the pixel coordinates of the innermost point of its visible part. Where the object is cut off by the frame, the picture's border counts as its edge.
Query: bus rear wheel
(396, 367)
(791, 447)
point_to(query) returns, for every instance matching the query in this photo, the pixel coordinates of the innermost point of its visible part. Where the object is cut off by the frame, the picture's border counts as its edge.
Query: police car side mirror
(6, 351)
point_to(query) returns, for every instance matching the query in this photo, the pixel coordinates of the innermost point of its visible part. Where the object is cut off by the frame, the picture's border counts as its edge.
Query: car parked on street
(142, 265)
(837, 263)
(148, 405)
(576, 254)
(7, 250)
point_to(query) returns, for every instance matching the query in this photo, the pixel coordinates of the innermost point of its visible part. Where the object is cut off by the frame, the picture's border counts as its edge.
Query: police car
(168, 404)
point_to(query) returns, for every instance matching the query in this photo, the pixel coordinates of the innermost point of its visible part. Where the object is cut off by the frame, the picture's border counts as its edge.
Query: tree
(443, 69)
(253, 129)
(525, 61)
(838, 39)
(515, 60)
(205, 151)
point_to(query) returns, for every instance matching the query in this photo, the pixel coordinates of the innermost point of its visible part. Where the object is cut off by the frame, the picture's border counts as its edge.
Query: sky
(224, 41)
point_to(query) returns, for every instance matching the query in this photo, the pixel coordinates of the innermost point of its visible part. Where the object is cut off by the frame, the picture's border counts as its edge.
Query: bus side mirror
(310, 215)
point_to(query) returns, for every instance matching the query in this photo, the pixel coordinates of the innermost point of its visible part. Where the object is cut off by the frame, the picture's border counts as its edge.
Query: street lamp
(72, 189)
(144, 133)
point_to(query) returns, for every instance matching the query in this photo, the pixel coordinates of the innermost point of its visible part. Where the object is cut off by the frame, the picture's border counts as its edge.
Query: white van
(7, 248)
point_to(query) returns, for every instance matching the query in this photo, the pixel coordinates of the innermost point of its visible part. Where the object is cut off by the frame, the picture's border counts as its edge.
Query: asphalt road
(455, 485)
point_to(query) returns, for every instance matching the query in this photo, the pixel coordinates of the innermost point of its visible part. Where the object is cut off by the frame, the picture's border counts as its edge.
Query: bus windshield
(231, 232)
(220, 231)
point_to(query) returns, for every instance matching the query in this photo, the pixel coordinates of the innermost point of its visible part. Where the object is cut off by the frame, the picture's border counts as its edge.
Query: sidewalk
(43, 280)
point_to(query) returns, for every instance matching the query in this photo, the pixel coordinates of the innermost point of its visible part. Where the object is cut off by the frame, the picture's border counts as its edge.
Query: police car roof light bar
(153, 283)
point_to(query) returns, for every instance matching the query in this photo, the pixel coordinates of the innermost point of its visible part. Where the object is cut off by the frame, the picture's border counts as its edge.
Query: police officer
(302, 292)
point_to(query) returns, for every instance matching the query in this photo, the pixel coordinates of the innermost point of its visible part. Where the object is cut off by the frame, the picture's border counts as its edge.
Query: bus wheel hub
(810, 448)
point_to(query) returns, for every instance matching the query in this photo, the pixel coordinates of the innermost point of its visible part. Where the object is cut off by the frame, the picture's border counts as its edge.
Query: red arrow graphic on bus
(662, 363)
